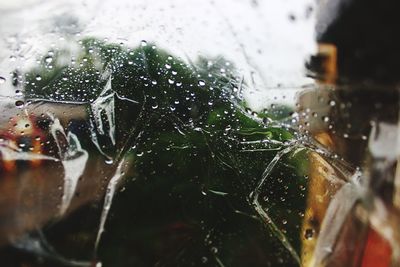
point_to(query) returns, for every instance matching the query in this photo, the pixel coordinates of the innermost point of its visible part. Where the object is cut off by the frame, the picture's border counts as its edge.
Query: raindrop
(203, 192)
(167, 66)
(201, 83)
(309, 234)
(19, 104)
(2, 80)
(48, 59)
(38, 78)
(332, 103)
(109, 161)
(143, 43)
(309, 11)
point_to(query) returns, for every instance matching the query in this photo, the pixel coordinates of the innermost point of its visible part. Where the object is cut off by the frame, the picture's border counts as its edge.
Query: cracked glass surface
(166, 134)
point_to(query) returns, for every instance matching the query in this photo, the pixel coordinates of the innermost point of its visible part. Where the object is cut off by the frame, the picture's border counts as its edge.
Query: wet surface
(135, 134)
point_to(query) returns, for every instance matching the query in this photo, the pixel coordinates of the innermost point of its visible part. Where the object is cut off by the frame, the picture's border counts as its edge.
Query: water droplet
(48, 59)
(38, 78)
(201, 83)
(204, 259)
(167, 66)
(332, 103)
(19, 103)
(2, 80)
(204, 191)
(109, 161)
(309, 234)
(143, 43)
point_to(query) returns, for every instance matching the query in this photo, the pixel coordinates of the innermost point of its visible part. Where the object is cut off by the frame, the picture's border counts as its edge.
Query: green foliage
(198, 156)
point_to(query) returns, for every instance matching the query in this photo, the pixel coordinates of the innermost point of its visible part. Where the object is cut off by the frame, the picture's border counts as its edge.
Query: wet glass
(189, 133)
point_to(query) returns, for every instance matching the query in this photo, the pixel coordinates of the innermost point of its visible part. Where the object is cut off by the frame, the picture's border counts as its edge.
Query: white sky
(258, 39)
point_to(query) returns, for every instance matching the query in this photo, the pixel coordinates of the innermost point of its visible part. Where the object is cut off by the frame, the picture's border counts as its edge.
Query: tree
(198, 153)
